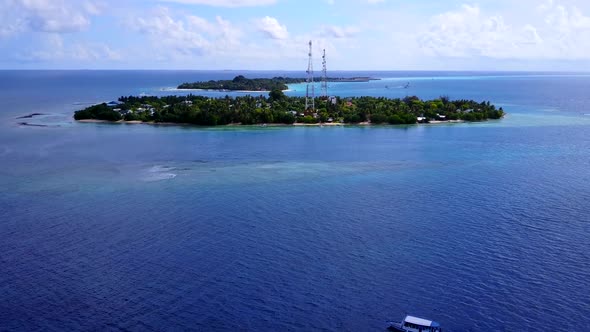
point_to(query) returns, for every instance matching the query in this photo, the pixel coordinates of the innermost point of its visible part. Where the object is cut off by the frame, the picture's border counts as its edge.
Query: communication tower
(310, 98)
(324, 77)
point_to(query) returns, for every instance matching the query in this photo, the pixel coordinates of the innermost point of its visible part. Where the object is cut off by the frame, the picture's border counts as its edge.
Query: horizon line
(303, 71)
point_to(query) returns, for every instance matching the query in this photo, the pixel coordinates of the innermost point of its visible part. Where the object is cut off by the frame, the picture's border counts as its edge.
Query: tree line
(241, 83)
(279, 108)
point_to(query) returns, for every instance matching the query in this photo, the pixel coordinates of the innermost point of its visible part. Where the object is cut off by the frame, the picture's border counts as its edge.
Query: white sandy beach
(297, 124)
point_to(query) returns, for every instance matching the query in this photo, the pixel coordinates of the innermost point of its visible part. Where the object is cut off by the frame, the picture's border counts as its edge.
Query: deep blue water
(483, 227)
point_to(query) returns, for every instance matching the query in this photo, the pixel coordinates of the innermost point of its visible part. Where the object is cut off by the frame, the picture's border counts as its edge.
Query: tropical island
(277, 108)
(241, 83)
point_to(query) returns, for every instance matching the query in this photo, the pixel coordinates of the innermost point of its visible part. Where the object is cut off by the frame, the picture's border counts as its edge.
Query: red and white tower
(324, 77)
(310, 98)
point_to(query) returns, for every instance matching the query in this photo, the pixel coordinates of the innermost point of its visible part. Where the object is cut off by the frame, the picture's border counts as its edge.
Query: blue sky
(273, 34)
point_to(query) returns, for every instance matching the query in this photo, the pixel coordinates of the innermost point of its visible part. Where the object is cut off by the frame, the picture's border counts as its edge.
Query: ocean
(479, 226)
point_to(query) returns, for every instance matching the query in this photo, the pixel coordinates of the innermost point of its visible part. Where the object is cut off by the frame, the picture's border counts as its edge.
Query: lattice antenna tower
(324, 76)
(310, 98)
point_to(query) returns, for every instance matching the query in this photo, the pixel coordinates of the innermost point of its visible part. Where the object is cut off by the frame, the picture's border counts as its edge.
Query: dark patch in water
(29, 116)
(32, 124)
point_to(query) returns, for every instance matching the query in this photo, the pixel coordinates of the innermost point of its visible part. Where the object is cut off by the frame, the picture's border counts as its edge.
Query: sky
(478, 35)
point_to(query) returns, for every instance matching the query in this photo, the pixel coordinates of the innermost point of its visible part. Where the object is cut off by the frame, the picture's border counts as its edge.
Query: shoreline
(327, 124)
(360, 79)
(224, 90)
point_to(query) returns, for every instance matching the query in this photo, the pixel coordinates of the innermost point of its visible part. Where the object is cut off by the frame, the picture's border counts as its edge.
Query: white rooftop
(419, 321)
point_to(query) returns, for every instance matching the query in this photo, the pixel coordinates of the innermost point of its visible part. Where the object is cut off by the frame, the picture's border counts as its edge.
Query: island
(241, 83)
(277, 108)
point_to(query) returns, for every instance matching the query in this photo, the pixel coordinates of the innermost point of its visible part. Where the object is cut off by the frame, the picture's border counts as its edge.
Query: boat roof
(420, 321)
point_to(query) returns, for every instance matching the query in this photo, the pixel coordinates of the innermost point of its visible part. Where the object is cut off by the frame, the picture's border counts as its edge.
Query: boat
(407, 85)
(415, 324)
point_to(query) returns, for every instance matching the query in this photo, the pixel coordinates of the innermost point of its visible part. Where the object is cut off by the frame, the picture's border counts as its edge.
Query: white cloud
(334, 31)
(10, 27)
(170, 33)
(226, 3)
(563, 18)
(226, 37)
(56, 16)
(556, 32)
(176, 36)
(407, 36)
(271, 27)
(53, 48)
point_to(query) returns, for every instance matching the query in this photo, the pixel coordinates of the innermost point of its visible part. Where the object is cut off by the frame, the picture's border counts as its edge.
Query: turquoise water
(483, 227)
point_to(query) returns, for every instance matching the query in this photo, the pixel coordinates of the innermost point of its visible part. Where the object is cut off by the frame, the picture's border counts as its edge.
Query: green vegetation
(279, 108)
(98, 112)
(241, 83)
